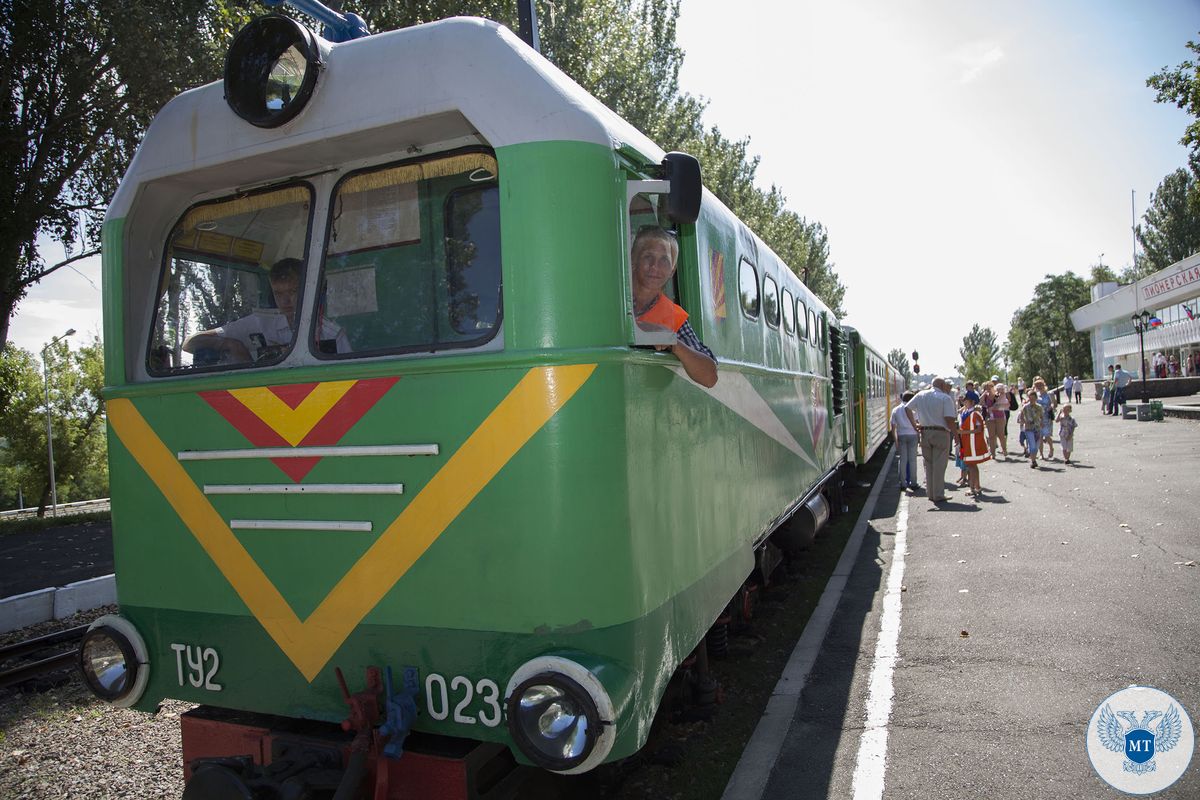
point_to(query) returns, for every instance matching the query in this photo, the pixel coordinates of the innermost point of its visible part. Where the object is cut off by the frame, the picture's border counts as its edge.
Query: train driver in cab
(655, 253)
(267, 332)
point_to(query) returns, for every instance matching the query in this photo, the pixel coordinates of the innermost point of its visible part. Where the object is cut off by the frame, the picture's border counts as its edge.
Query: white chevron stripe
(734, 392)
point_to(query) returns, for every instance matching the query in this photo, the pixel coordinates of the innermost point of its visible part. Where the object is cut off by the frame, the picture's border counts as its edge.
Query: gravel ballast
(65, 743)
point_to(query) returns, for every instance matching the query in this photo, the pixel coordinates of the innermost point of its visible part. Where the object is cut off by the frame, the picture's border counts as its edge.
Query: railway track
(41, 655)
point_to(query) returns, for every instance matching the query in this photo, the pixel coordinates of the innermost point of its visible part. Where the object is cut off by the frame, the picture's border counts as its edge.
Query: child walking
(1066, 431)
(1031, 416)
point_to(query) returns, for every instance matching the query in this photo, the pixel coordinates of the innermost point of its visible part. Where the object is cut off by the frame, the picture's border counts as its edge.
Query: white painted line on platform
(871, 763)
(749, 778)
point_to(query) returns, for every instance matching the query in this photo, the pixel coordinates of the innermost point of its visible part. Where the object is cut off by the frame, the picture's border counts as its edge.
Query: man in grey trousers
(933, 415)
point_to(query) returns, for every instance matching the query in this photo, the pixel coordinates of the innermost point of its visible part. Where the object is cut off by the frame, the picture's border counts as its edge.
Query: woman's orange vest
(664, 312)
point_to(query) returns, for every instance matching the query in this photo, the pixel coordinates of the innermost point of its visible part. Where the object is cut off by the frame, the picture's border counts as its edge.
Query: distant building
(1168, 295)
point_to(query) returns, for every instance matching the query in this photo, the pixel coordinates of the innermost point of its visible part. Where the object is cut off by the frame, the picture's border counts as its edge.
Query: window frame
(426, 348)
(763, 298)
(801, 312)
(757, 290)
(788, 303)
(164, 276)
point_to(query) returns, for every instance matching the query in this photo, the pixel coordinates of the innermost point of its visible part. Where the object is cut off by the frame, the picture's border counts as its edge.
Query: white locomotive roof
(411, 88)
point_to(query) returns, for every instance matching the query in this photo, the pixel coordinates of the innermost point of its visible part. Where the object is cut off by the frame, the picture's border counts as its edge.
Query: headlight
(560, 715)
(271, 70)
(112, 658)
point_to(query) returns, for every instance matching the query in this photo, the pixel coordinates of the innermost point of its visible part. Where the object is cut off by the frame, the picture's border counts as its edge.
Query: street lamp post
(49, 428)
(1141, 323)
(1054, 363)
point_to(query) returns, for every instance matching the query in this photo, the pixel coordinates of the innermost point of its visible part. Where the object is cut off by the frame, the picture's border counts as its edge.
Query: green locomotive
(378, 400)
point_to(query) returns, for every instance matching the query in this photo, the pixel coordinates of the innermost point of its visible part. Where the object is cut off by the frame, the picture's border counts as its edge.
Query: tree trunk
(44, 503)
(8, 305)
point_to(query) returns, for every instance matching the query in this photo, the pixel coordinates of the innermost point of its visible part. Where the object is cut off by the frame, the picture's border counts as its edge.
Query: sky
(957, 151)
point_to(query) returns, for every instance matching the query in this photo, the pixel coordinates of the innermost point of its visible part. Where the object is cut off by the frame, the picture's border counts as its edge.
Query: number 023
(438, 698)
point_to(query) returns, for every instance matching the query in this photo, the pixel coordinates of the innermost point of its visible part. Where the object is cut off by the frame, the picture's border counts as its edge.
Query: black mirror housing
(683, 171)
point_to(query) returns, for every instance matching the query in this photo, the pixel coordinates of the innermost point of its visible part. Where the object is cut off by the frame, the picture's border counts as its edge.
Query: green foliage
(899, 360)
(77, 415)
(1103, 274)
(1045, 320)
(980, 354)
(1181, 86)
(79, 82)
(1171, 226)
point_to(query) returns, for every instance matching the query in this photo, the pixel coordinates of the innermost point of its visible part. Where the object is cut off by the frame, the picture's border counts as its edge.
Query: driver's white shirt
(272, 325)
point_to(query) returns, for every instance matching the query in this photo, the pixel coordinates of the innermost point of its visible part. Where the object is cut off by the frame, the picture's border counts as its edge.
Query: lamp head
(70, 332)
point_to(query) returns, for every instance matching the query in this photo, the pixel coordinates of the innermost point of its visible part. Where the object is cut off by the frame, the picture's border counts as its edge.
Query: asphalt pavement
(1018, 614)
(33, 560)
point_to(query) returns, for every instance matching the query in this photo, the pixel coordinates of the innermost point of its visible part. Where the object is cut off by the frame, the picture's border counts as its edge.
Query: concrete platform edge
(43, 605)
(753, 770)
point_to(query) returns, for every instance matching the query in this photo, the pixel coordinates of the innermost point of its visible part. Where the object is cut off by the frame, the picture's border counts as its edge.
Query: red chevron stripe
(345, 414)
(293, 394)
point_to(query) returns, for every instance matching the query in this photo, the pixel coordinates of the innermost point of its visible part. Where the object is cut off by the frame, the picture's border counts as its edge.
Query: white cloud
(970, 60)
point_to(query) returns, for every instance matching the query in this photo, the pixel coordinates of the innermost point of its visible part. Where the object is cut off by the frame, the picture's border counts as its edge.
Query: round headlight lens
(554, 721)
(108, 663)
(271, 70)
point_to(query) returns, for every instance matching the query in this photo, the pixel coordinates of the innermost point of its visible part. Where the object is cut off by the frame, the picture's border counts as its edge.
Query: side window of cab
(653, 264)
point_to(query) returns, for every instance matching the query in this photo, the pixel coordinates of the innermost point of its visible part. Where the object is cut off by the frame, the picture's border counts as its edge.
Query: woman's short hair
(907, 396)
(649, 232)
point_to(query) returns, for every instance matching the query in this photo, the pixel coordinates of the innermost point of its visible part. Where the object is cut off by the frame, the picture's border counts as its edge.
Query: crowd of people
(973, 426)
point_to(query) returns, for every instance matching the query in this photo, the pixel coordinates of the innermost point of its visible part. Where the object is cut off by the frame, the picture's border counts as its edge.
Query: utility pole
(49, 427)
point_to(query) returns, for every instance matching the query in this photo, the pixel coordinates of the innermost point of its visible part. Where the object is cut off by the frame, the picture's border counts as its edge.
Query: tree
(1181, 86)
(81, 80)
(1171, 226)
(77, 416)
(899, 360)
(1045, 320)
(1102, 273)
(980, 354)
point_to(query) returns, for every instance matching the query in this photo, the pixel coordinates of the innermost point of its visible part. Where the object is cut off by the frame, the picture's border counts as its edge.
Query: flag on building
(1155, 322)
(1188, 310)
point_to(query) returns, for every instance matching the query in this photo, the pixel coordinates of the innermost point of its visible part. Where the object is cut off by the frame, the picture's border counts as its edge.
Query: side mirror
(683, 171)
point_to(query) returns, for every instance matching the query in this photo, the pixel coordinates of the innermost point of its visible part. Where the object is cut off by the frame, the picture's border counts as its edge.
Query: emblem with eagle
(1136, 739)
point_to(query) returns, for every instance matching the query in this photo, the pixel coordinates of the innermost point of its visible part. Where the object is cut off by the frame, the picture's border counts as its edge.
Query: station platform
(972, 641)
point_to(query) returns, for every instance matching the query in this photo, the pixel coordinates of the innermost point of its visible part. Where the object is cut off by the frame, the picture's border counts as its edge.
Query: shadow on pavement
(806, 762)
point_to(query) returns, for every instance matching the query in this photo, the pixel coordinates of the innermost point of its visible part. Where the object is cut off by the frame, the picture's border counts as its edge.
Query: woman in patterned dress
(972, 441)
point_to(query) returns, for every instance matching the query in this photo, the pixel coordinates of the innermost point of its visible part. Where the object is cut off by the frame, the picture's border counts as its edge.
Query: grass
(34, 524)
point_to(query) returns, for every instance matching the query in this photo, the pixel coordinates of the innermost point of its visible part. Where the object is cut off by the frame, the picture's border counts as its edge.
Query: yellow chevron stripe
(293, 424)
(536, 398)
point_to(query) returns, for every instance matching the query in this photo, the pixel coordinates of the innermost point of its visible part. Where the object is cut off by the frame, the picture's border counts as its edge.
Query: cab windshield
(232, 283)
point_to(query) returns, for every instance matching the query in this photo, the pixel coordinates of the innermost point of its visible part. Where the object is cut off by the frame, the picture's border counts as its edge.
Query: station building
(1171, 296)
